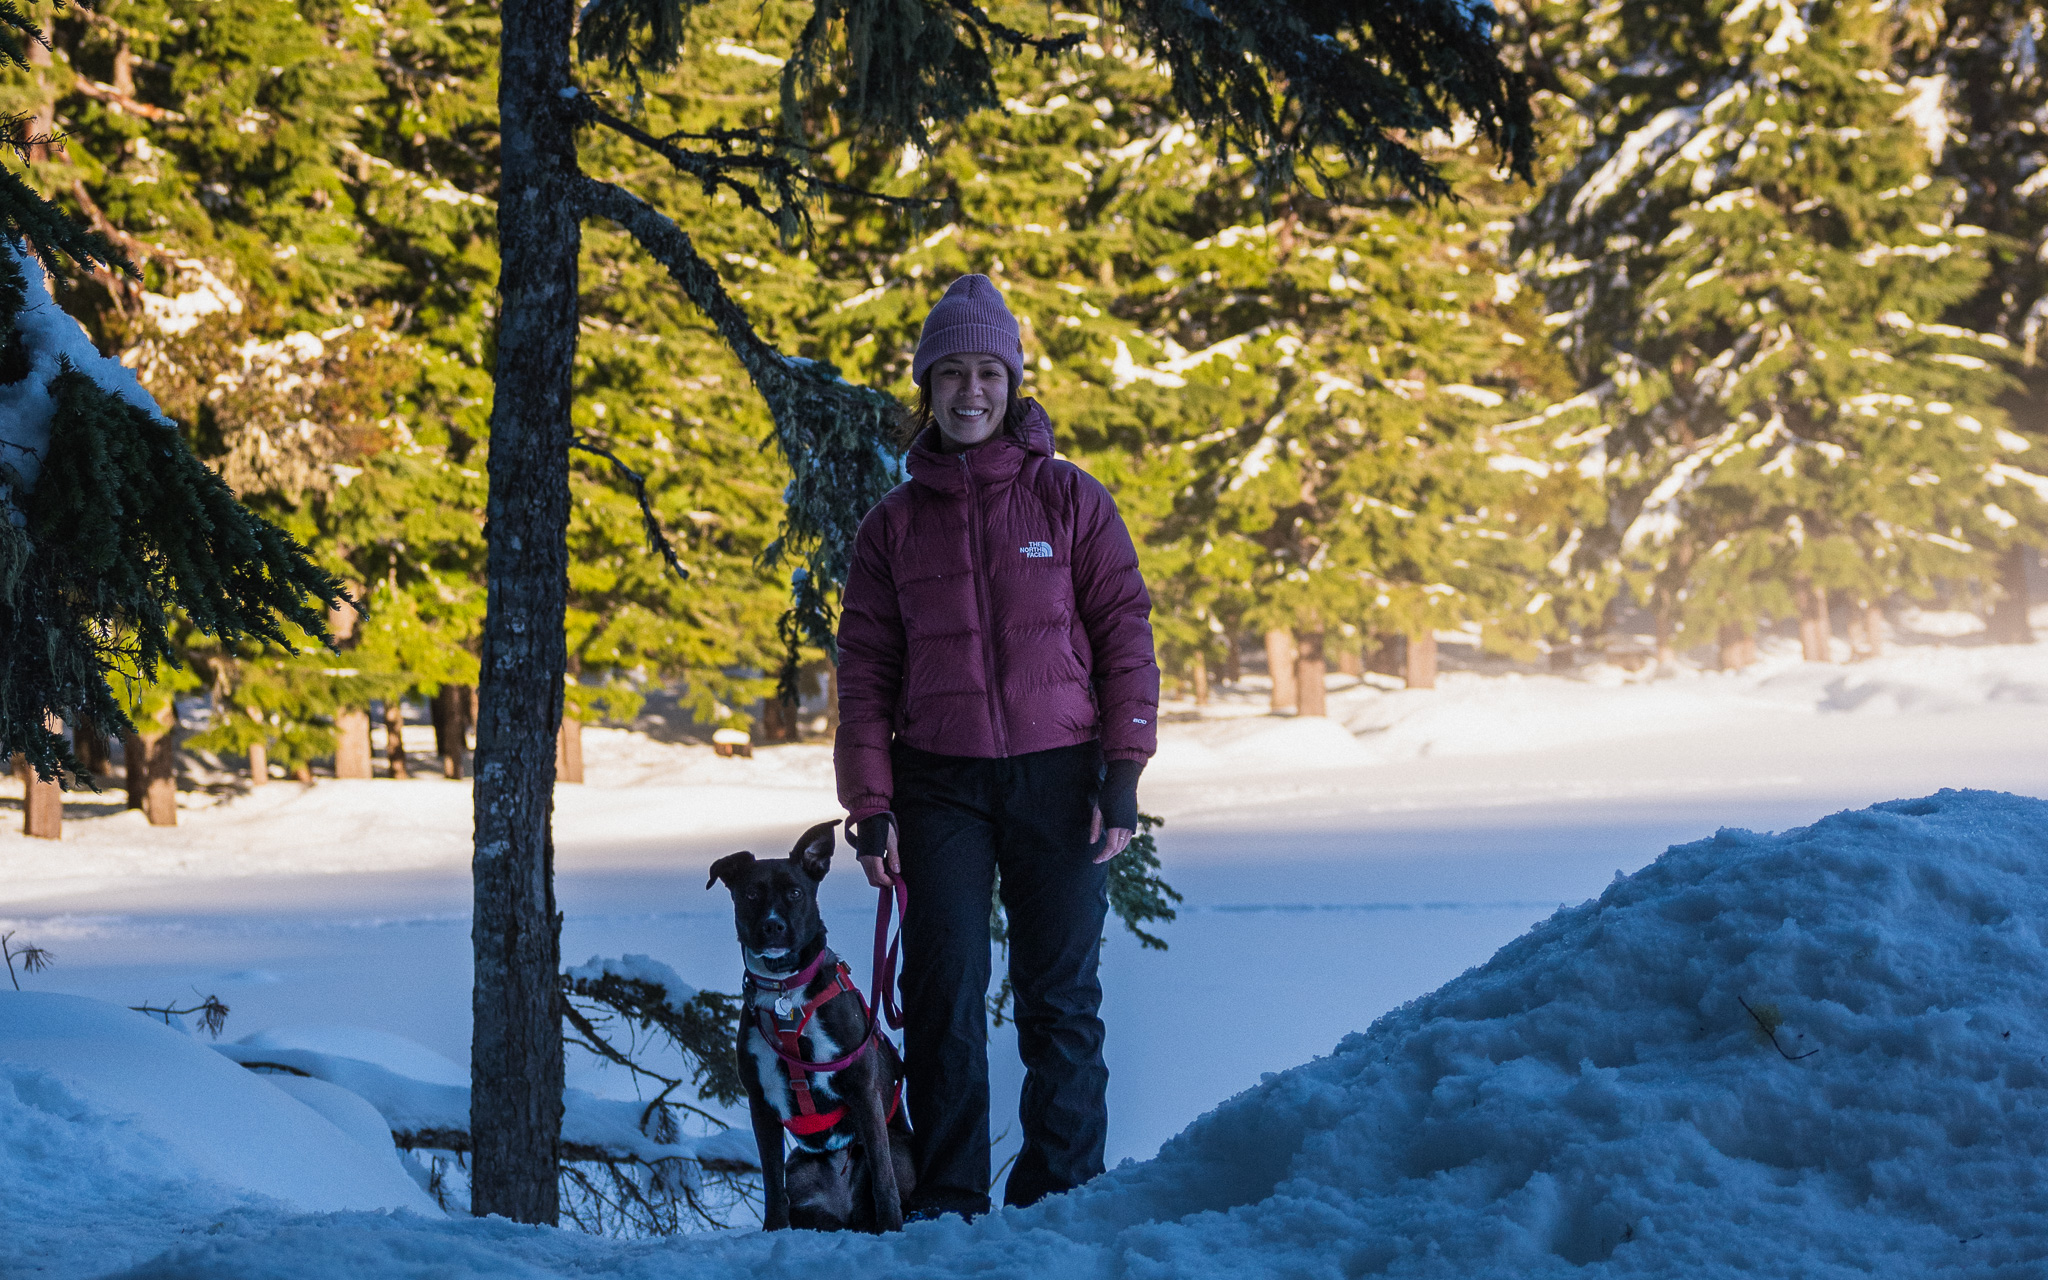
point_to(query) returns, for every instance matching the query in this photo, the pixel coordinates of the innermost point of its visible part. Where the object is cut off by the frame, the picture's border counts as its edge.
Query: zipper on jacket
(988, 634)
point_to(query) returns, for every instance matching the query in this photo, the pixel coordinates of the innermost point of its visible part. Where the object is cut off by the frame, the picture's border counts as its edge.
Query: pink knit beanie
(970, 318)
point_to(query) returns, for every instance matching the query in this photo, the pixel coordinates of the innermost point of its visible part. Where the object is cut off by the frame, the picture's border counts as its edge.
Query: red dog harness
(784, 1029)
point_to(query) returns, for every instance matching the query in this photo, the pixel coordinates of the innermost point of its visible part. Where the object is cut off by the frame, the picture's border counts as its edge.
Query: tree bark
(1419, 665)
(259, 764)
(152, 761)
(1309, 672)
(1198, 679)
(352, 753)
(1351, 657)
(42, 807)
(451, 729)
(831, 701)
(1737, 646)
(569, 750)
(2009, 623)
(516, 1045)
(1280, 662)
(1665, 611)
(394, 736)
(91, 748)
(135, 764)
(1233, 659)
(1815, 636)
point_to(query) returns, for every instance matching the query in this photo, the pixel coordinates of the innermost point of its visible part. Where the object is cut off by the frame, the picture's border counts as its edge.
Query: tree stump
(1280, 662)
(352, 743)
(1309, 673)
(569, 750)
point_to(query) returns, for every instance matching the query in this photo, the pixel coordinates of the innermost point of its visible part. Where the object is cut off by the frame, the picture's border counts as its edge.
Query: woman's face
(969, 396)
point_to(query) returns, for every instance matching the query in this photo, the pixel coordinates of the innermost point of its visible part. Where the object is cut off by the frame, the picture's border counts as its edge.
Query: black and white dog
(814, 1062)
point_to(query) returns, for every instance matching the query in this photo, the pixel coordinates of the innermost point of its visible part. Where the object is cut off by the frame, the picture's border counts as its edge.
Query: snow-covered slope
(1602, 1098)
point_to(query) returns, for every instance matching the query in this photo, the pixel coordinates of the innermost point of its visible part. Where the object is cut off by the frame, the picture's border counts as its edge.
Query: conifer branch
(1011, 36)
(837, 437)
(657, 540)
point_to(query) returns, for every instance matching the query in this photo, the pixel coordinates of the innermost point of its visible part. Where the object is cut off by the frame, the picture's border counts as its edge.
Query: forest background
(1758, 344)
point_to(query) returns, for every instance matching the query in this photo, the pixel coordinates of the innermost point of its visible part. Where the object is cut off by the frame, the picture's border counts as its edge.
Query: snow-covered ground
(1334, 871)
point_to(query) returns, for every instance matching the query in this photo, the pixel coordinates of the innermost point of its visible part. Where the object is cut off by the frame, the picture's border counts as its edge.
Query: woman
(997, 699)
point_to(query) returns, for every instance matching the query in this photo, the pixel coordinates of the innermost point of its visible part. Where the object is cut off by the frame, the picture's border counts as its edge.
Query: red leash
(887, 952)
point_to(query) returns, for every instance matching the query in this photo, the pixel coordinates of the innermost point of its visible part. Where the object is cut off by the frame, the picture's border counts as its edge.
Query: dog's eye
(794, 895)
(754, 894)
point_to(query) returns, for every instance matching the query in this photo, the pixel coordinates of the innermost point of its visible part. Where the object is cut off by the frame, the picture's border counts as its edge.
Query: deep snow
(1594, 1100)
(1331, 874)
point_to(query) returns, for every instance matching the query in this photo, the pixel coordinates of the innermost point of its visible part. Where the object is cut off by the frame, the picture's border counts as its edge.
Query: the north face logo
(1037, 550)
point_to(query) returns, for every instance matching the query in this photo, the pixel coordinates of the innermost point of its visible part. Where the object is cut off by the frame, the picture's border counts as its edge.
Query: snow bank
(422, 1107)
(1595, 1100)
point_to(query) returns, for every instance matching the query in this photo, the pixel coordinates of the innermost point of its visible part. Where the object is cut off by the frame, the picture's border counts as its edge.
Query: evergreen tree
(107, 521)
(1293, 85)
(1749, 267)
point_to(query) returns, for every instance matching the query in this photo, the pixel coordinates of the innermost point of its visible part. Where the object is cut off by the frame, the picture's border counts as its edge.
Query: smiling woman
(998, 699)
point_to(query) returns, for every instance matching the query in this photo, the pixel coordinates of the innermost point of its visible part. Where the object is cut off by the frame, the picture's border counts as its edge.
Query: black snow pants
(959, 822)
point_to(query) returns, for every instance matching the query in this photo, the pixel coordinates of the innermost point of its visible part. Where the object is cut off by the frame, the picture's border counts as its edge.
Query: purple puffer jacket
(993, 608)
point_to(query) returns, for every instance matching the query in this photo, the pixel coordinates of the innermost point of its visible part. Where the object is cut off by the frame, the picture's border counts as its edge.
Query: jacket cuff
(865, 809)
(1139, 754)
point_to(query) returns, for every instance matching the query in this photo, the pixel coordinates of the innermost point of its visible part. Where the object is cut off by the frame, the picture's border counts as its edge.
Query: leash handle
(887, 952)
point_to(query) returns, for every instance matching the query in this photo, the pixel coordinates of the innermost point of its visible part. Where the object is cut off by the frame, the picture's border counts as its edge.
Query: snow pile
(1812, 1054)
(423, 1108)
(49, 335)
(118, 1132)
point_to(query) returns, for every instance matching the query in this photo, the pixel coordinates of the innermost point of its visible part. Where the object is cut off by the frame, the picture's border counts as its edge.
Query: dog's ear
(729, 868)
(813, 850)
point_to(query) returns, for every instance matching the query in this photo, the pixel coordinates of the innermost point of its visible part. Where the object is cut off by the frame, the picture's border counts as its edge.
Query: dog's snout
(774, 928)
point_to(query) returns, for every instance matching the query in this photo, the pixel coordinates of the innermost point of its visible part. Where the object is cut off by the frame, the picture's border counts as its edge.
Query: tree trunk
(451, 729)
(1198, 679)
(1309, 673)
(152, 762)
(352, 753)
(394, 736)
(259, 764)
(831, 702)
(90, 746)
(42, 120)
(1280, 661)
(135, 764)
(516, 1045)
(2009, 624)
(1351, 657)
(1233, 660)
(1666, 618)
(1814, 634)
(1873, 625)
(569, 750)
(1737, 644)
(42, 807)
(1419, 666)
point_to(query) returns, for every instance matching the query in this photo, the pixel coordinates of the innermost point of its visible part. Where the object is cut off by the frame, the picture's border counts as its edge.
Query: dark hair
(923, 416)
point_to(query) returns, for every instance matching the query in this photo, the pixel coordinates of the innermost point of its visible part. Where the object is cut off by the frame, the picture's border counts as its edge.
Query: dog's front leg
(871, 1122)
(768, 1140)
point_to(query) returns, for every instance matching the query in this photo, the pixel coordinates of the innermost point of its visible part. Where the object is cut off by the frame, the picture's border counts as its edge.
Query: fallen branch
(213, 1015)
(1771, 1030)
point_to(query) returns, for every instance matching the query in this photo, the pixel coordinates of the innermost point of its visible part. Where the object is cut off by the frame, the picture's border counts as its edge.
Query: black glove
(1118, 798)
(872, 840)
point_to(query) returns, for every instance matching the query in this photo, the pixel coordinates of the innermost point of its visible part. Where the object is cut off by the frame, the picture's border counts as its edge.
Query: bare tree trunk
(1864, 641)
(90, 746)
(2009, 623)
(1280, 661)
(352, 754)
(1233, 660)
(516, 1045)
(1874, 625)
(1666, 613)
(1198, 679)
(831, 701)
(1815, 635)
(1350, 657)
(42, 120)
(1737, 643)
(569, 750)
(1420, 663)
(152, 762)
(259, 764)
(451, 729)
(42, 808)
(135, 764)
(1309, 673)
(394, 736)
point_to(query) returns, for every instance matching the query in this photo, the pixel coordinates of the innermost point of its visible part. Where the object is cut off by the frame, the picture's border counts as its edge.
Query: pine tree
(885, 74)
(107, 521)
(1749, 268)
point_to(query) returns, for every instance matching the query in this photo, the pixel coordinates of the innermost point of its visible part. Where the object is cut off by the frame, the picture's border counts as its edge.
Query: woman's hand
(1114, 842)
(883, 866)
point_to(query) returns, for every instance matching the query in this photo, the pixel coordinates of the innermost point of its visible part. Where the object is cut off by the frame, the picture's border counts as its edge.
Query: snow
(105, 1111)
(48, 336)
(1521, 1117)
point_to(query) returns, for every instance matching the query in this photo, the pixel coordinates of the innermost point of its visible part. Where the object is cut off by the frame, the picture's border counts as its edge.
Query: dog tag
(785, 1006)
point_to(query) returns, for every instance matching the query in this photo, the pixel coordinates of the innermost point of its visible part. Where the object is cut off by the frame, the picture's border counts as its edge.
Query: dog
(851, 1167)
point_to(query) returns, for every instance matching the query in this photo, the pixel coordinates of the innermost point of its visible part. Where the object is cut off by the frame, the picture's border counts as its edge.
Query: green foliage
(1138, 894)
